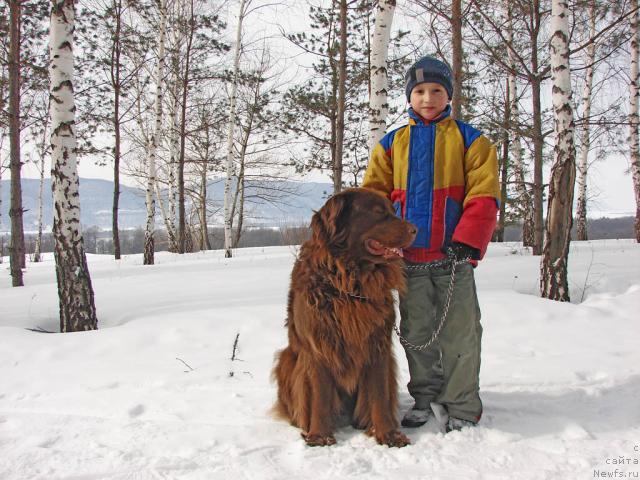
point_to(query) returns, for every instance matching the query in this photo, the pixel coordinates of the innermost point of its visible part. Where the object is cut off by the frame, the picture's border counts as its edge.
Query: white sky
(610, 184)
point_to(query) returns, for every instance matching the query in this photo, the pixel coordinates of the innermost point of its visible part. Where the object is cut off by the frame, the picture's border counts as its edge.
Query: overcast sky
(609, 182)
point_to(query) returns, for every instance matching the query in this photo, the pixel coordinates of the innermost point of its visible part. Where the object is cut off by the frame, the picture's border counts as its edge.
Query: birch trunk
(169, 218)
(204, 231)
(240, 206)
(232, 120)
(37, 253)
(342, 88)
(528, 224)
(171, 233)
(634, 112)
(555, 254)
(378, 102)
(585, 141)
(155, 139)
(16, 248)
(75, 293)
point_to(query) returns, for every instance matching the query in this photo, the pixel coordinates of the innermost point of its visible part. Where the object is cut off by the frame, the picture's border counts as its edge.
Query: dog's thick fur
(339, 361)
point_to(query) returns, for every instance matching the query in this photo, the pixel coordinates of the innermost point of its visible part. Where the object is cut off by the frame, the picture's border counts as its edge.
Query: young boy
(442, 175)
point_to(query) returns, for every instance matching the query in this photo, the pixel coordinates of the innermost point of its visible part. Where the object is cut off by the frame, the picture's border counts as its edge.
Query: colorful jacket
(441, 176)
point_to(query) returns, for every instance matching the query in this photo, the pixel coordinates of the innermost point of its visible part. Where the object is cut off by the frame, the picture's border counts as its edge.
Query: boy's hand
(460, 251)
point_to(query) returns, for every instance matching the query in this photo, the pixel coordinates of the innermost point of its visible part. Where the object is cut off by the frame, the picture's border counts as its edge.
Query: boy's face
(428, 100)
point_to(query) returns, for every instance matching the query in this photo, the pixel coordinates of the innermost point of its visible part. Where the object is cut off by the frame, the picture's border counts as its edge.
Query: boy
(442, 175)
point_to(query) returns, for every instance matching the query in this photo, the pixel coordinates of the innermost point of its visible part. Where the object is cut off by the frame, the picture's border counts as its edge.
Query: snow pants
(448, 371)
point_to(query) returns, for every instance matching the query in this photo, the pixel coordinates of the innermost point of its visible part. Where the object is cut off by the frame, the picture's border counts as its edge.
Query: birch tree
(378, 102)
(555, 254)
(634, 111)
(533, 68)
(43, 151)
(515, 145)
(148, 257)
(228, 200)
(75, 293)
(585, 140)
(341, 104)
(183, 125)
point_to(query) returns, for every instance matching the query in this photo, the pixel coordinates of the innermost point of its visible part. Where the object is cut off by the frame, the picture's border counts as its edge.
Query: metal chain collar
(448, 261)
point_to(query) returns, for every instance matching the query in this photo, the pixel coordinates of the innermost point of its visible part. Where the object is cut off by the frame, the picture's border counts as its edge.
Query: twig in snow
(39, 329)
(233, 356)
(186, 364)
(235, 347)
(586, 278)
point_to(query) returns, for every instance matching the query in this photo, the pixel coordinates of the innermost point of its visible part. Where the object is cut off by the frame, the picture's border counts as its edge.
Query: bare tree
(183, 125)
(75, 293)
(378, 101)
(43, 150)
(553, 266)
(228, 204)
(634, 111)
(517, 161)
(155, 139)
(15, 211)
(456, 57)
(585, 140)
(115, 72)
(340, 107)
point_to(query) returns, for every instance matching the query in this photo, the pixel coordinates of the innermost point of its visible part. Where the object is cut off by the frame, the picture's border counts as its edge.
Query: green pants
(448, 371)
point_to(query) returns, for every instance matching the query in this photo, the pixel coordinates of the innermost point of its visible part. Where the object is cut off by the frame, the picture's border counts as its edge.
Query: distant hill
(597, 229)
(272, 203)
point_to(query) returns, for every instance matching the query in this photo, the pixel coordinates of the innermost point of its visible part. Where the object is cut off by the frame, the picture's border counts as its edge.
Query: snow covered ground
(153, 393)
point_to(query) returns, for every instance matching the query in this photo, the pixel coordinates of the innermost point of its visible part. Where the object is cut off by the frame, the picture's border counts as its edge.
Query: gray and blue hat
(429, 69)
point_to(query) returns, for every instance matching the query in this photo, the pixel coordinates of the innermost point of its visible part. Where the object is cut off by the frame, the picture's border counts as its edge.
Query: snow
(153, 393)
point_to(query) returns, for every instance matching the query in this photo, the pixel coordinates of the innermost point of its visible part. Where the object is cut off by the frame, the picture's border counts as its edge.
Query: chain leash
(448, 261)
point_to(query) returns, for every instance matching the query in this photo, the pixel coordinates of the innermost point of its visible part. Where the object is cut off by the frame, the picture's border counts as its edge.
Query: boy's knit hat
(429, 69)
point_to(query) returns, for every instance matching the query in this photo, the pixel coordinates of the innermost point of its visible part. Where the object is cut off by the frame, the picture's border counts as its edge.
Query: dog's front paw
(392, 438)
(316, 440)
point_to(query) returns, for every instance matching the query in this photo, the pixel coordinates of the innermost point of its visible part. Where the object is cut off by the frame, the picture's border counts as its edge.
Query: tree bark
(149, 247)
(228, 241)
(75, 293)
(342, 88)
(205, 244)
(115, 81)
(523, 195)
(535, 79)
(37, 252)
(456, 58)
(554, 270)
(16, 248)
(498, 234)
(634, 112)
(378, 102)
(183, 126)
(585, 141)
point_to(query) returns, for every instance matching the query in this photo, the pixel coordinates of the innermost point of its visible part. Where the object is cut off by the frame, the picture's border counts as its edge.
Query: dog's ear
(327, 223)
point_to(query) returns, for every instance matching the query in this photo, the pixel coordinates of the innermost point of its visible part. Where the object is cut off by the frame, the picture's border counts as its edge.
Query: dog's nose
(412, 229)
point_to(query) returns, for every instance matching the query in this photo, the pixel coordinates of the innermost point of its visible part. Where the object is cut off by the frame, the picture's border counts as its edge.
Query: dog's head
(361, 225)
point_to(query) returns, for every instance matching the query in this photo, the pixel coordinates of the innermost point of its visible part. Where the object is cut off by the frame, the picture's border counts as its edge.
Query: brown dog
(340, 316)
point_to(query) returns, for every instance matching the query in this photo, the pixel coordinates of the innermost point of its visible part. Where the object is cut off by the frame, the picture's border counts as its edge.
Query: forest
(174, 92)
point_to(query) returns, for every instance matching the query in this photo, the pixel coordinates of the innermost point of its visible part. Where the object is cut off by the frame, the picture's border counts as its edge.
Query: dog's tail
(285, 362)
